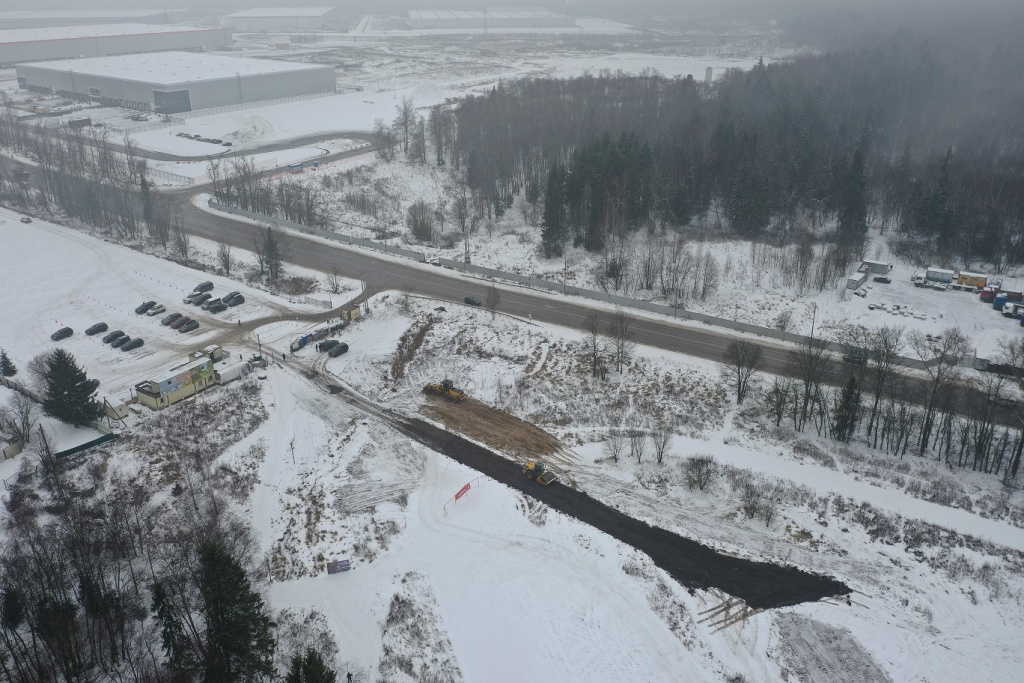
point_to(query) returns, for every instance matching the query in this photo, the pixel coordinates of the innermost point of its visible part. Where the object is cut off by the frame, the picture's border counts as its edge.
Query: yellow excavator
(447, 390)
(539, 472)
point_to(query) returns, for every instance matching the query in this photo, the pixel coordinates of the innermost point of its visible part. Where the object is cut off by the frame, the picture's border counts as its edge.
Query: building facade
(174, 82)
(177, 383)
(283, 19)
(495, 19)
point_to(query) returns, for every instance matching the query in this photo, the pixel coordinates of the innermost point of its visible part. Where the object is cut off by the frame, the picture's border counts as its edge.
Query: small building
(177, 383)
(115, 409)
(875, 267)
(972, 279)
(943, 275)
(856, 280)
(229, 368)
(351, 313)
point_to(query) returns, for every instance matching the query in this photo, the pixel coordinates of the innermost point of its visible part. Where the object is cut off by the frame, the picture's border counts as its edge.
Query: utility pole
(814, 317)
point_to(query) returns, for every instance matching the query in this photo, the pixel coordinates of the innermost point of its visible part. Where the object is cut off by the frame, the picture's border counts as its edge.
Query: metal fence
(541, 283)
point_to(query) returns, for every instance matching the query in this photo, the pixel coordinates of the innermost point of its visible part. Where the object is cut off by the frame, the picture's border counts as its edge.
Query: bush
(700, 472)
(420, 221)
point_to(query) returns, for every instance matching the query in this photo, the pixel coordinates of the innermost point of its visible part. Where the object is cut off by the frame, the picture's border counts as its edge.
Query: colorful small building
(972, 279)
(177, 383)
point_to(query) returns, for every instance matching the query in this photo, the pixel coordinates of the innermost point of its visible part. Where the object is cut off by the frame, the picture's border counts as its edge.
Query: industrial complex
(41, 19)
(99, 40)
(496, 19)
(174, 82)
(282, 18)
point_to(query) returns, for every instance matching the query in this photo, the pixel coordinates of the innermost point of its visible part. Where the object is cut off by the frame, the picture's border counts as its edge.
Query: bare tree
(709, 276)
(784, 321)
(615, 444)
(620, 329)
(637, 436)
(742, 361)
(778, 397)
(334, 281)
(700, 472)
(224, 255)
(492, 300)
(884, 347)
(941, 357)
(405, 121)
(661, 438)
(384, 139)
(181, 239)
(593, 344)
(19, 417)
(813, 364)
(260, 250)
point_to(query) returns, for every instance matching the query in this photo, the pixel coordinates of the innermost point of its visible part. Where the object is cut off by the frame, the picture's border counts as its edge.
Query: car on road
(112, 336)
(189, 326)
(145, 306)
(62, 333)
(218, 307)
(341, 348)
(472, 301)
(120, 341)
(236, 300)
(855, 358)
(96, 329)
(203, 287)
(883, 279)
(26, 219)
(170, 318)
(180, 322)
(133, 344)
(202, 299)
(156, 310)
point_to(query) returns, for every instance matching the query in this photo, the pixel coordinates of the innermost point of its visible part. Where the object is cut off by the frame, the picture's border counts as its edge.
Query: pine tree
(845, 414)
(853, 205)
(272, 254)
(239, 645)
(552, 226)
(7, 368)
(172, 633)
(70, 394)
(310, 668)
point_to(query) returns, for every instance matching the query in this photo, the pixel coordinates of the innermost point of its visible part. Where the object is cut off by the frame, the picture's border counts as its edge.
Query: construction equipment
(447, 390)
(539, 472)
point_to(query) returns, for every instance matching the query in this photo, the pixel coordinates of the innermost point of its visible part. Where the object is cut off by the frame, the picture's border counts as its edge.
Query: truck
(447, 390)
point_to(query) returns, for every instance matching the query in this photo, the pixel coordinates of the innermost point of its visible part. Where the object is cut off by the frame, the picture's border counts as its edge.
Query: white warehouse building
(282, 18)
(492, 19)
(67, 42)
(174, 82)
(10, 19)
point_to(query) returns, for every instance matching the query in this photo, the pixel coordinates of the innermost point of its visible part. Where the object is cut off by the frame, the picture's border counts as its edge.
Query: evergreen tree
(7, 368)
(272, 254)
(172, 633)
(853, 205)
(845, 415)
(70, 394)
(552, 226)
(310, 668)
(239, 645)
(147, 201)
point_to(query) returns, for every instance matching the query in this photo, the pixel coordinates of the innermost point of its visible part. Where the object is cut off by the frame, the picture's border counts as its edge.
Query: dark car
(229, 296)
(120, 341)
(62, 333)
(338, 350)
(883, 279)
(203, 287)
(170, 318)
(236, 300)
(202, 299)
(145, 306)
(855, 358)
(211, 302)
(329, 344)
(189, 326)
(218, 307)
(112, 336)
(472, 301)
(180, 322)
(96, 329)
(133, 344)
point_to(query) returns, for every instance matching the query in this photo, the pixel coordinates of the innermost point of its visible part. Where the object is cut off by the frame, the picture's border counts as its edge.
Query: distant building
(934, 274)
(173, 82)
(497, 19)
(875, 267)
(856, 280)
(282, 18)
(100, 40)
(42, 19)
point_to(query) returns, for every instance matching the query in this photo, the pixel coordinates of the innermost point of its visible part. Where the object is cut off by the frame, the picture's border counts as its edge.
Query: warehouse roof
(491, 14)
(170, 68)
(79, 14)
(279, 12)
(30, 35)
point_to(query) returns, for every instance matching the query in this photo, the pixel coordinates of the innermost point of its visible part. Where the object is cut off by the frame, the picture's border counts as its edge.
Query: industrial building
(283, 18)
(100, 40)
(42, 19)
(496, 19)
(174, 82)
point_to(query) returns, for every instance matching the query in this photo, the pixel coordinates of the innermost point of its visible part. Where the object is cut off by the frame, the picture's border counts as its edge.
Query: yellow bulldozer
(447, 390)
(539, 472)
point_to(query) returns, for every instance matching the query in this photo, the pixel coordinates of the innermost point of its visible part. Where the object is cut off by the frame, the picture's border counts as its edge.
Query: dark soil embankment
(761, 585)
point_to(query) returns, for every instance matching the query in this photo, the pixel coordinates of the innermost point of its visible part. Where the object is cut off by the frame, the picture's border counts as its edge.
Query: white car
(26, 219)
(156, 310)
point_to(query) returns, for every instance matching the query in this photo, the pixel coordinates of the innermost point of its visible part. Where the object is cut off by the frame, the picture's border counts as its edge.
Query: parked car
(472, 301)
(26, 219)
(120, 341)
(62, 333)
(861, 293)
(230, 295)
(226, 143)
(133, 344)
(211, 302)
(202, 299)
(203, 287)
(883, 279)
(96, 329)
(189, 326)
(237, 300)
(218, 307)
(341, 348)
(156, 310)
(170, 318)
(112, 336)
(855, 358)
(329, 344)
(145, 306)
(180, 322)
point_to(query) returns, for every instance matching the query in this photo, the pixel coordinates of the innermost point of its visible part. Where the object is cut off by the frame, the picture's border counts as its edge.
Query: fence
(20, 388)
(531, 281)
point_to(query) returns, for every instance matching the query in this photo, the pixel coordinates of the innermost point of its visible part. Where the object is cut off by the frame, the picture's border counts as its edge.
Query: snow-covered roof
(31, 35)
(491, 14)
(279, 12)
(78, 14)
(933, 269)
(967, 273)
(172, 68)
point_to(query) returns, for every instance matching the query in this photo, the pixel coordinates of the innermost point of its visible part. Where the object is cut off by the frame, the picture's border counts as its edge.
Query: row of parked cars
(202, 296)
(200, 138)
(117, 338)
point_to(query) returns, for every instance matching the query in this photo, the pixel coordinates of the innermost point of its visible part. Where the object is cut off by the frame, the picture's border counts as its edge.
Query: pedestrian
(239, 323)
(349, 677)
(284, 357)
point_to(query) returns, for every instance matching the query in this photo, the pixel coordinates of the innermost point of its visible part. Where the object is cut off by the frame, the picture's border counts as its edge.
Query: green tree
(853, 206)
(7, 368)
(272, 254)
(239, 645)
(552, 225)
(70, 394)
(172, 633)
(310, 668)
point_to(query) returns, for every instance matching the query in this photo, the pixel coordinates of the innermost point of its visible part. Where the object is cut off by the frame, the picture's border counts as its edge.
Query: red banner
(463, 491)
